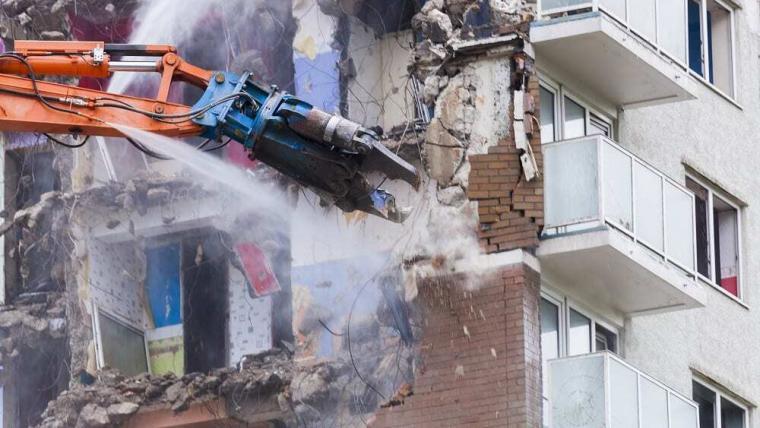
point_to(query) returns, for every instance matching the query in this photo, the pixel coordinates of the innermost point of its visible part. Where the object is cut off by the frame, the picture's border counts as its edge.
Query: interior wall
(116, 281)
(250, 322)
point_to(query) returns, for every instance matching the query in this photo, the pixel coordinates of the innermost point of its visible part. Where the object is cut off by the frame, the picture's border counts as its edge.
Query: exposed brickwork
(511, 209)
(480, 355)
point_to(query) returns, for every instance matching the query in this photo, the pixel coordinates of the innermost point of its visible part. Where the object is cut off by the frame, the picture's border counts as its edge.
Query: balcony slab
(606, 267)
(609, 61)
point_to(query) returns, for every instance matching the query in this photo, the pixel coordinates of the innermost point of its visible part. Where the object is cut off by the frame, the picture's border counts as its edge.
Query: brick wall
(511, 209)
(479, 355)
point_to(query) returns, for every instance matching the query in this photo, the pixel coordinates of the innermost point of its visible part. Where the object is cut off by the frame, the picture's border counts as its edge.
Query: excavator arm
(327, 153)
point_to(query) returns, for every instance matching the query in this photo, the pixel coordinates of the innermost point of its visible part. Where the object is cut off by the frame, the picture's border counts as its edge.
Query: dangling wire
(71, 146)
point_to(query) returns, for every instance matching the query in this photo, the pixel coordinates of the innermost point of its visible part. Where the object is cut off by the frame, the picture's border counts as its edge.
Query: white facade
(709, 139)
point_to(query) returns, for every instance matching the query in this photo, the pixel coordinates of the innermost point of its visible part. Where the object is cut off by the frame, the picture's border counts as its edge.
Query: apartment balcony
(601, 390)
(618, 231)
(629, 53)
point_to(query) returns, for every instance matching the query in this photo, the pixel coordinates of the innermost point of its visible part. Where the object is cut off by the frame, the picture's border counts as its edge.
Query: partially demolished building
(562, 265)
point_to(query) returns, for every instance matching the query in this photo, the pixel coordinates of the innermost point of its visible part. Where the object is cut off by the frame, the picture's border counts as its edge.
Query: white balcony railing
(593, 183)
(661, 23)
(602, 391)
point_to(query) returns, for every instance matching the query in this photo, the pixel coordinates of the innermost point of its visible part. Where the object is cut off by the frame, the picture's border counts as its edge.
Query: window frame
(560, 91)
(713, 192)
(720, 395)
(98, 340)
(706, 64)
(565, 304)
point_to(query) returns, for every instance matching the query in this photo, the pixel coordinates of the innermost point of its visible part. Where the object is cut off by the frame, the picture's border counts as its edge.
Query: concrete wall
(718, 139)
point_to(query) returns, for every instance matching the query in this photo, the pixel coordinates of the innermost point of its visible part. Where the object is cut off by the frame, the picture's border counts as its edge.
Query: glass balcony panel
(618, 187)
(679, 225)
(624, 406)
(649, 216)
(548, 5)
(615, 7)
(654, 405)
(586, 43)
(579, 385)
(672, 32)
(577, 393)
(682, 414)
(642, 19)
(571, 186)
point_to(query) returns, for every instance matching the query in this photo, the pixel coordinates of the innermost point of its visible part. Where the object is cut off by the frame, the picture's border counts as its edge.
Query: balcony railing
(661, 23)
(601, 390)
(593, 183)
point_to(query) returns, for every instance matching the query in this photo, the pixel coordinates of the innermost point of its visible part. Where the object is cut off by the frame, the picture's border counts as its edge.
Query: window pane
(731, 415)
(605, 339)
(549, 346)
(575, 119)
(579, 334)
(719, 42)
(726, 251)
(706, 400)
(123, 347)
(549, 330)
(547, 115)
(695, 37)
(703, 235)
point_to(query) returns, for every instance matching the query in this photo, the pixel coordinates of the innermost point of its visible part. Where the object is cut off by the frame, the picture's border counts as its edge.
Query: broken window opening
(204, 306)
(187, 287)
(718, 238)
(388, 16)
(28, 173)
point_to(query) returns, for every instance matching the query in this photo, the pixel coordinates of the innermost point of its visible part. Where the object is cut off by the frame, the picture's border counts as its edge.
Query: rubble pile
(319, 394)
(109, 399)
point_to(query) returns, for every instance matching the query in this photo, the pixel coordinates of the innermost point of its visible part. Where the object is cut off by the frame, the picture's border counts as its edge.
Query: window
(711, 44)
(718, 246)
(583, 334)
(120, 346)
(563, 117)
(716, 410)
(566, 331)
(186, 284)
(575, 119)
(548, 128)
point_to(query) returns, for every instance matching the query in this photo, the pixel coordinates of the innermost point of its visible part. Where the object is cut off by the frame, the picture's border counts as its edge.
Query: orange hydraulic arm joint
(327, 153)
(73, 110)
